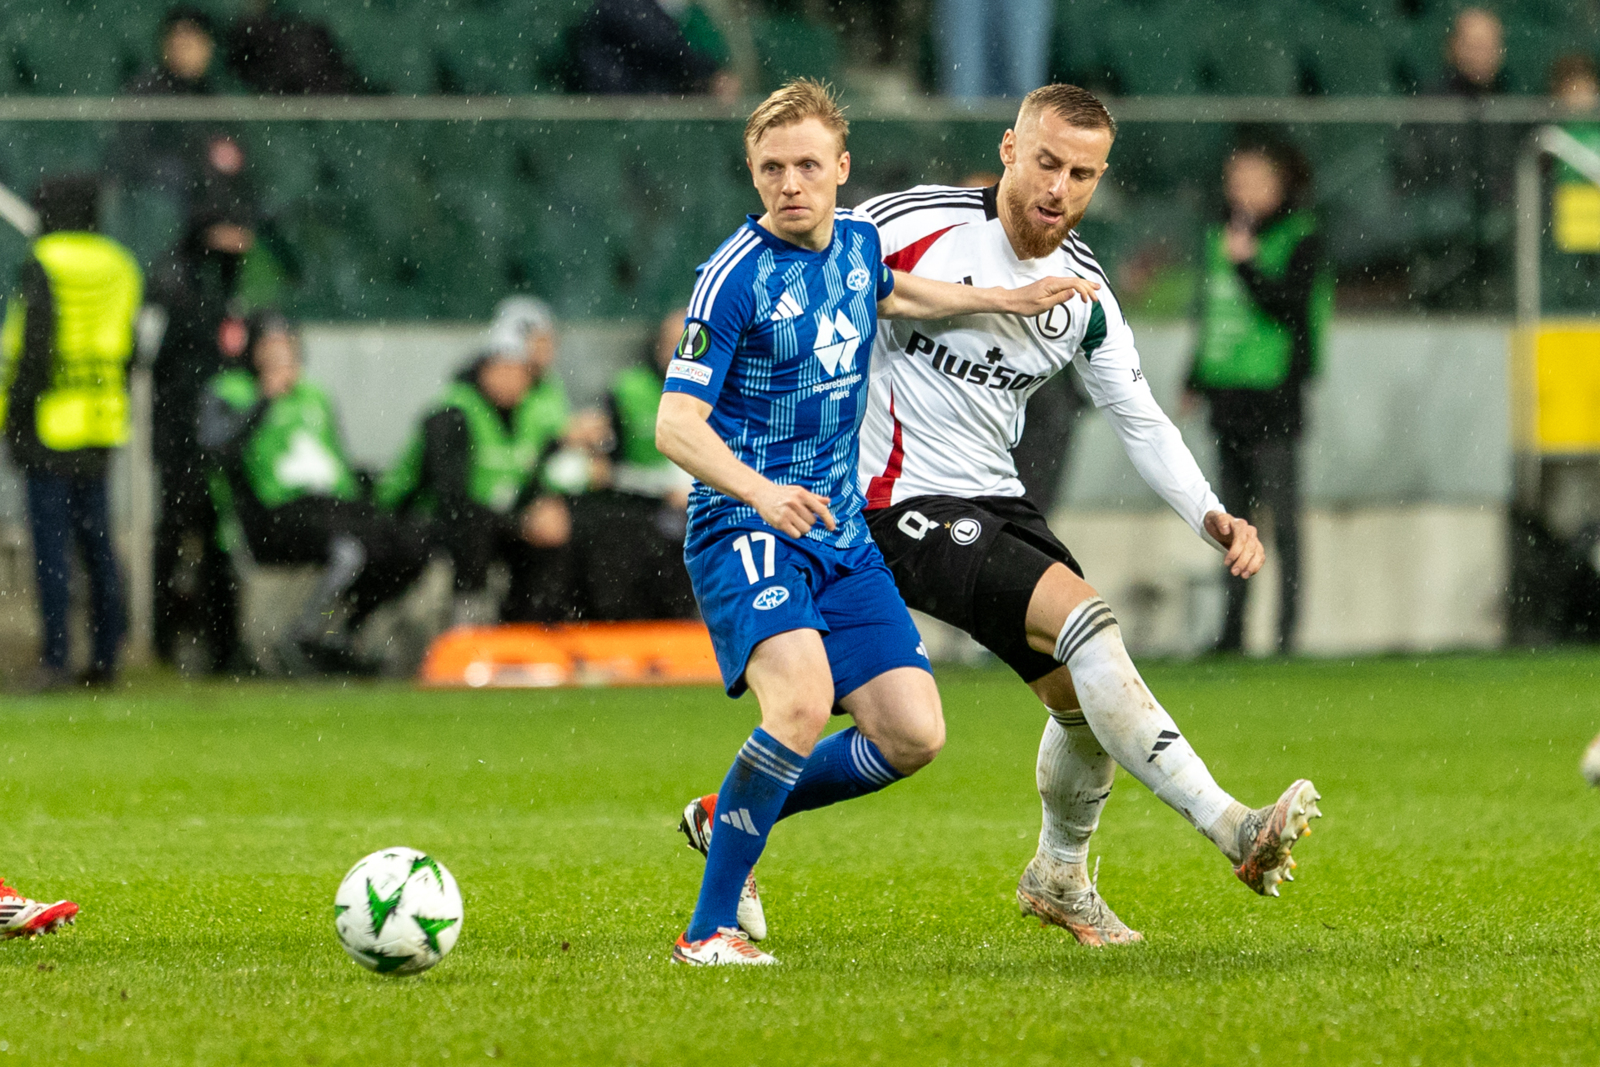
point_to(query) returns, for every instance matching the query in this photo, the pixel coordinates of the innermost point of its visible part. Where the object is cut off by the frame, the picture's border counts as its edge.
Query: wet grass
(1446, 910)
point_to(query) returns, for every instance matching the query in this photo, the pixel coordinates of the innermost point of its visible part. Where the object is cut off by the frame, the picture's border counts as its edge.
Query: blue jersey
(778, 340)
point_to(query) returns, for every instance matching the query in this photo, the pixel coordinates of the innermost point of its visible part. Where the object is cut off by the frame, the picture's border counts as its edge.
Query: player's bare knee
(912, 748)
(1056, 692)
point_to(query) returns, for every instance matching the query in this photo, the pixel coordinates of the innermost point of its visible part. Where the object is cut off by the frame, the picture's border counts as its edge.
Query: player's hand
(1046, 293)
(1240, 244)
(1245, 553)
(793, 509)
(276, 379)
(547, 523)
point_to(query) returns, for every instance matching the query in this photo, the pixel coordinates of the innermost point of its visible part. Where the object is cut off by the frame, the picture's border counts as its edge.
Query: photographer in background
(1265, 303)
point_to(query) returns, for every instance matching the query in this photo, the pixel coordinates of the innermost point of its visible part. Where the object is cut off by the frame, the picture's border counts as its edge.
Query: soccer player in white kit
(965, 545)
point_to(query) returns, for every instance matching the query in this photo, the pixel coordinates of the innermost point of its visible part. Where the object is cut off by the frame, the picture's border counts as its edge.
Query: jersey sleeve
(1107, 358)
(720, 310)
(1108, 363)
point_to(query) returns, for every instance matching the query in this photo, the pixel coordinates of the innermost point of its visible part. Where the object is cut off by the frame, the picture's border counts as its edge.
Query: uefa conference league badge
(694, 342)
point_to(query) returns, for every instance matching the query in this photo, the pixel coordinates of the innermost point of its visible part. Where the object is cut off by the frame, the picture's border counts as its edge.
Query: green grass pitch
(1446, 909)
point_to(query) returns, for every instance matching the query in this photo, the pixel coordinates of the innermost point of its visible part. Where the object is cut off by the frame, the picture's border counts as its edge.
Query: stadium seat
(791, 47)
(483, 55)
(68, 50)
(1075, 51)
(1251, 51)
(1153, 51)
(1351, 59)
(1530, 49)
(283, 161)
(392, 50)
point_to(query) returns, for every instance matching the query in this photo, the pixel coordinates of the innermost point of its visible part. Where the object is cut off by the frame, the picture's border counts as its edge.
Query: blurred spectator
(278, 52)
(196, 284)
(992, 47)
(1475, 53)
(629, 531)
(187, 41)
(1575, 84)
(475, 467)
(170, 159)
(640, 47)
(1267, 299)
(275, 438)
(1460, 178)
(1575, 200)
(68, 337)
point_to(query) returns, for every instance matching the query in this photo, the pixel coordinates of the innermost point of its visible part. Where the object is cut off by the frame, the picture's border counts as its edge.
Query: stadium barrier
(572, 654)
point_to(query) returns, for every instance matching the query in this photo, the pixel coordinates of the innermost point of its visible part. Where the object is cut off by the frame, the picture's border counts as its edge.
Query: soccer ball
(1591, 762)
(398, 911)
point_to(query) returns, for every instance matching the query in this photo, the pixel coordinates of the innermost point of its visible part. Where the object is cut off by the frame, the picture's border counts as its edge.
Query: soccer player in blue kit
(762, 405)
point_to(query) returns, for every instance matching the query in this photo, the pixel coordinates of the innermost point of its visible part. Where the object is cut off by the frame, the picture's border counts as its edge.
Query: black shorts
(974, 564)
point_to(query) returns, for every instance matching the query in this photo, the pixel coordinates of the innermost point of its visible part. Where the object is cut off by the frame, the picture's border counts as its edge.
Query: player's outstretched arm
(924, 298)
(683, 436)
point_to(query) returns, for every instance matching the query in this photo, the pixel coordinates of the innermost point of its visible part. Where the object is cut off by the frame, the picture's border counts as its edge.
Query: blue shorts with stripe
(755, 582)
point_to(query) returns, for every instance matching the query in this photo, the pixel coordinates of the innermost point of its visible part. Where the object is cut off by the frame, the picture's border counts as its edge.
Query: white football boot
(699, 816)
(21, 917)
(1081, 912)
(726, 947)
(1267, 834)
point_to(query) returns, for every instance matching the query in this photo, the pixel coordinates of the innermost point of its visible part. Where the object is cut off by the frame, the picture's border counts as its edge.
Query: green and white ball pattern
(398, 911)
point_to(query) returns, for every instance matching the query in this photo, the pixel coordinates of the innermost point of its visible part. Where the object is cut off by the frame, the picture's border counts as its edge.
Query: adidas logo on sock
(740, 820)
(788, 308)
(1163, 741)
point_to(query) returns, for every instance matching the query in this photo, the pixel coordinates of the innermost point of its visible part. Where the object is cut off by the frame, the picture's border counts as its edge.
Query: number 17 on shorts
(751, 585)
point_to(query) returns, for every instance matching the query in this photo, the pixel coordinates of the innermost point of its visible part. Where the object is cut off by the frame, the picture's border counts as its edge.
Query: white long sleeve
(1157, 450)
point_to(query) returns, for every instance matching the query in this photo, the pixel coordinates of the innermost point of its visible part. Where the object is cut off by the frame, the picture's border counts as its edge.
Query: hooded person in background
(67, 340)
(477, 467)
(274, 437)
(197, 283)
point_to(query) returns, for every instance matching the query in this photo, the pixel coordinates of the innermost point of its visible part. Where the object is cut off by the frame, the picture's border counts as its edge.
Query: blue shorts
(755, 582)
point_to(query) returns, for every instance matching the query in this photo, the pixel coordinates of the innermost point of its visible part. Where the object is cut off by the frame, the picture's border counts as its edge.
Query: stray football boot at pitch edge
(1081, 912)
(21, 917)
(698, 819)
(1267, 834)
(725, 947)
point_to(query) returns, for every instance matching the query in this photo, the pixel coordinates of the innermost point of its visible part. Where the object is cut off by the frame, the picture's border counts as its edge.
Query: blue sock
(747, 805)
(843, 765)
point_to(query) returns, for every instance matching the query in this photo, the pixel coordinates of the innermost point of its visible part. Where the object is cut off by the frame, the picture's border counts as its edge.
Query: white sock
(1074, 775)
(1135, 729)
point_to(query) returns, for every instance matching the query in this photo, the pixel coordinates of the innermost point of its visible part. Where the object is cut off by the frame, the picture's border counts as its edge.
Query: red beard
(1031, 239)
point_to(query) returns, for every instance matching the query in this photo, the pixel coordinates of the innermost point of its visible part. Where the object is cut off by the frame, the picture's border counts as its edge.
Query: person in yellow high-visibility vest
(66, 342)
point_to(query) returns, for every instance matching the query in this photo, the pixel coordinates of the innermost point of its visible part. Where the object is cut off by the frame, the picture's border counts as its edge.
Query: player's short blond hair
(798, 100)
(1077, 107)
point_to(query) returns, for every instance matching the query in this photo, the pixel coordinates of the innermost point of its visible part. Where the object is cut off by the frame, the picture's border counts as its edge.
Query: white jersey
(948, 399)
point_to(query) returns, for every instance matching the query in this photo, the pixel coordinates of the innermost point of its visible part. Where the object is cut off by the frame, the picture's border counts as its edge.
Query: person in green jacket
(477, 467)
(1265, 303)
(628, 531)
(67, 340)
(273, 436)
